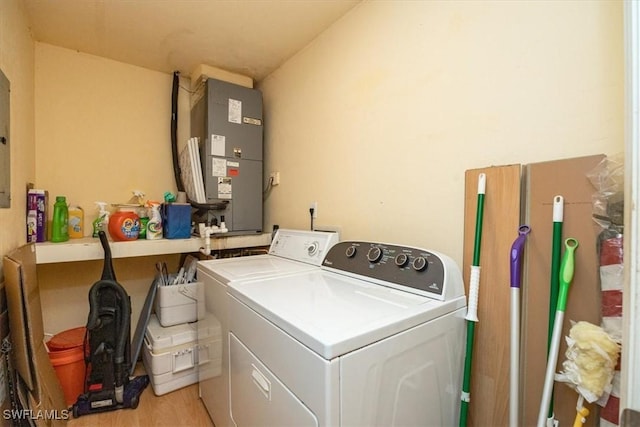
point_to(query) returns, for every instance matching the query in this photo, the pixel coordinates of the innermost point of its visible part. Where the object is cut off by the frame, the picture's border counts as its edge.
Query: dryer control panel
(305, 246)
(407, 268)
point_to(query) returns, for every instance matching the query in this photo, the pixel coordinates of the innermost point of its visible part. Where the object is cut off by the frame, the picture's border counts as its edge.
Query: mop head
(592, 356)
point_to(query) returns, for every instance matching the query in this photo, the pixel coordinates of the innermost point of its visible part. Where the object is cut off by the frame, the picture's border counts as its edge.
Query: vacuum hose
(108, 272)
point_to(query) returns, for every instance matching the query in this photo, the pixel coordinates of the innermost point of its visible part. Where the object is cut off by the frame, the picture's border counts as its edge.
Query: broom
(566, 276)
(472, 306)
(516, 265)
(556, 257)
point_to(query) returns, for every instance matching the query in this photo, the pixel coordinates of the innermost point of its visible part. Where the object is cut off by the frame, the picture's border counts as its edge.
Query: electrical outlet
(314, 206)
(275, 178)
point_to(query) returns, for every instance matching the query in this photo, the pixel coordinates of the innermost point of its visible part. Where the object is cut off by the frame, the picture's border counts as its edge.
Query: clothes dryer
(291, 251)
(373, 338)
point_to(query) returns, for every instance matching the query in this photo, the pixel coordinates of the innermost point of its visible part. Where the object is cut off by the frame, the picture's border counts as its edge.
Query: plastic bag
(608, 200)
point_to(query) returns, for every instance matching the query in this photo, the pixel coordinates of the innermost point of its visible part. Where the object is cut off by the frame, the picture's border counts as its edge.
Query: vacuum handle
(108, 272)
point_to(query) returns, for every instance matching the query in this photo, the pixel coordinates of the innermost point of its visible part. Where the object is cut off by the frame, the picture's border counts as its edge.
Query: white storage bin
(180, 355)
(176, 304)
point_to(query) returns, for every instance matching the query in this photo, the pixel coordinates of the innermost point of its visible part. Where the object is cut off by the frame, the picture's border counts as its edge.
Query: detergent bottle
(60, 223)
(124, 224)
(101, 223)
(154, 226)
(76, 222)
(144, 220)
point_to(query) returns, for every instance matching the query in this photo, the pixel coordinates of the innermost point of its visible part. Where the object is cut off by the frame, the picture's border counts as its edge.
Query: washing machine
(375, 337)
(291, 251)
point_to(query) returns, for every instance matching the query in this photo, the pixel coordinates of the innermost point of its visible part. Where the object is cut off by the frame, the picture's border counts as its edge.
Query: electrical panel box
(227, 119)
(5, 151)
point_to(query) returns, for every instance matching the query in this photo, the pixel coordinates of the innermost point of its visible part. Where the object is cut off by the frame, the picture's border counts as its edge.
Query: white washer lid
(252, 267)
(334, 314)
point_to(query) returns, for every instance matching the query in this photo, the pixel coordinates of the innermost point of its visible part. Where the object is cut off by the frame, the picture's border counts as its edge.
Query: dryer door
(410, 379)
(258, 397)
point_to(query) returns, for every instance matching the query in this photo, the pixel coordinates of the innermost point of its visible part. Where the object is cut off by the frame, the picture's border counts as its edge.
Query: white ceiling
(250, 37)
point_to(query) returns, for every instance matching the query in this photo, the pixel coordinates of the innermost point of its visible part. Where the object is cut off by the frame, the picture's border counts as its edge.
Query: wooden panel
(543, 182)
(489, 404)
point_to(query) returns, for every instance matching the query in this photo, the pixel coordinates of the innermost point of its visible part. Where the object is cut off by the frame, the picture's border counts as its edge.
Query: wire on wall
(267, 189)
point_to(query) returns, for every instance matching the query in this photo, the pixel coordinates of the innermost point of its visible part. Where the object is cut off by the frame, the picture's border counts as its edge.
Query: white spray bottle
(154, 226)
(101, 223)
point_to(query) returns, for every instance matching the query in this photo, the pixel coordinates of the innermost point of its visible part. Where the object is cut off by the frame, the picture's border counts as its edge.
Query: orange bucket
(66, 355)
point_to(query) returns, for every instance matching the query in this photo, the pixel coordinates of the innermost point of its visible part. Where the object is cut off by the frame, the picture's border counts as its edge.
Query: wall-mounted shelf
(88, 248)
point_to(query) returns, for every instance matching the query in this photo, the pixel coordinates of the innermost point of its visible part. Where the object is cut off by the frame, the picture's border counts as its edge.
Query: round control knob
(313, 248)
(374, 254)
(401, 260)
(350, 252)
(419, 264)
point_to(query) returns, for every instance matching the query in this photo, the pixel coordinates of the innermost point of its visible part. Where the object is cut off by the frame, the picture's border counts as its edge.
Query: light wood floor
(181, 407)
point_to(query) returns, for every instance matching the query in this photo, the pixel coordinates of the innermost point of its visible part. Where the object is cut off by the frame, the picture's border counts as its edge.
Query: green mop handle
(566, 276)
(556, 256)
(566, 273)
(472, 305)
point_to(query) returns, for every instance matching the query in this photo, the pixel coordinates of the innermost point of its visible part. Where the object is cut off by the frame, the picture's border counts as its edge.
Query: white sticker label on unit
(218, 145)
(251, 121)
(235, 111)
(233, 164)
(218, 167)
(224, 187)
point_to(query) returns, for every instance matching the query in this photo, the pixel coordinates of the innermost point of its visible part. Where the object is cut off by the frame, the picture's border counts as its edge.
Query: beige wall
(103, 129)
(17, 63)
(379, 117)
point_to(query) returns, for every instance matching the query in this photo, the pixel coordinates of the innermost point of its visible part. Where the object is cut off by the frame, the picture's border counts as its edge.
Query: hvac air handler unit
(227, 119)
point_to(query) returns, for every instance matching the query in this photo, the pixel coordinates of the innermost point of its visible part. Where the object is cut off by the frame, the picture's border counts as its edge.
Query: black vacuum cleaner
(108, 360)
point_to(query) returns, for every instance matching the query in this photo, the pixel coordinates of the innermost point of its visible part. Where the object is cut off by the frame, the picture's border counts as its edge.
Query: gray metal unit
(228, 121)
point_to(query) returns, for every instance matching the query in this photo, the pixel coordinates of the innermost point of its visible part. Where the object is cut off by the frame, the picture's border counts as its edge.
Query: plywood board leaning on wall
(490, 362)
(544, 181)
(39, 389)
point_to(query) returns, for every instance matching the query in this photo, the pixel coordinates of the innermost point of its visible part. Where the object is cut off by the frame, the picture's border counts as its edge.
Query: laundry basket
(66, 355)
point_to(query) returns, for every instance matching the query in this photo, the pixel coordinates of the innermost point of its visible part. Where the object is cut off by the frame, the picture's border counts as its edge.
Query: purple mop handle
(516, 253)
